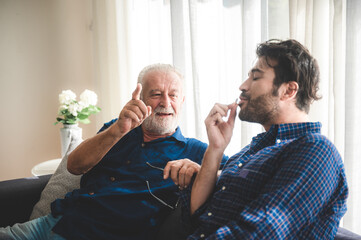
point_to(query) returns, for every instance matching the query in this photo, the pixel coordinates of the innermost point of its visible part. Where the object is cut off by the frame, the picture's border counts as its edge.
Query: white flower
(73, 109)
(82, 105)
(88, 98)
(62, 107)
(66, 97)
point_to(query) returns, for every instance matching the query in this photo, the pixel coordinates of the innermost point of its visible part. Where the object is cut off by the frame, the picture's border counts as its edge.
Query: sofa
(18, 197)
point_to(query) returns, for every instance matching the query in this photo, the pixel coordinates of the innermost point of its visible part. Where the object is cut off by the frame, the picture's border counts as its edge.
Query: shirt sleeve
(190, 221)
(108, 124)
(308, 179)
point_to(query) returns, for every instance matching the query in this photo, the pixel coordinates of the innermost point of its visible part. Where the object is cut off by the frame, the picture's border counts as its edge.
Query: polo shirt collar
(177, 135)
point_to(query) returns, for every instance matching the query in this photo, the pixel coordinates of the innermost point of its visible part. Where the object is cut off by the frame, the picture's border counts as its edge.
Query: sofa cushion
(59, 184)
(17, 198)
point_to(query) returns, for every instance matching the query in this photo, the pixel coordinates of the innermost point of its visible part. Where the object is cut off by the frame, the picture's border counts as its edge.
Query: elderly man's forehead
(168, 75)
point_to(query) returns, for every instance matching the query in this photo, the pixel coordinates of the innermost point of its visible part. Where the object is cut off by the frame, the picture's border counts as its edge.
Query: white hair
(160, 67)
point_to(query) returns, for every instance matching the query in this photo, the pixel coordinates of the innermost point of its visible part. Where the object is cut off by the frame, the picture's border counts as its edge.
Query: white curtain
(107, 78)
(213, 43)
(352, 108)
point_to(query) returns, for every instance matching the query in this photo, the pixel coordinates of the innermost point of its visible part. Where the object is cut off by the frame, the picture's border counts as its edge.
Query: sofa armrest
(18, 197)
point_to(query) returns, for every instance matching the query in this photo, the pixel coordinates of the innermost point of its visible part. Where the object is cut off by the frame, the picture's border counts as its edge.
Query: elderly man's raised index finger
(137, 91)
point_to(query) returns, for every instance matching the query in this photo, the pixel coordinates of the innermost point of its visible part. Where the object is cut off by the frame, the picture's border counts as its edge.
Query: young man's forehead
(262, 64)
(258, 67)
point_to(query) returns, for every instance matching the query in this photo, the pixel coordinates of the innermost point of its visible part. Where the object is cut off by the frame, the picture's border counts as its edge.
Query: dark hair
(293, 63)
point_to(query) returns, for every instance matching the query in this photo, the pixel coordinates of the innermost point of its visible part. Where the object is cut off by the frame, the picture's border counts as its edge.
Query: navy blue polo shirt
(125, 196)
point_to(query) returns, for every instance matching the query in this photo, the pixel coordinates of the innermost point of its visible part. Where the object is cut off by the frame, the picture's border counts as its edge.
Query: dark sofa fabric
(18, 197)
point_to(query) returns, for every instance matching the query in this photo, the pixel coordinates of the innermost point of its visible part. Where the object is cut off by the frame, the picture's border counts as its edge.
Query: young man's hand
(219, 131)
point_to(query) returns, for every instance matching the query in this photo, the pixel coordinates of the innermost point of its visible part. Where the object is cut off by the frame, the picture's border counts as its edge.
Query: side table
(47, 167)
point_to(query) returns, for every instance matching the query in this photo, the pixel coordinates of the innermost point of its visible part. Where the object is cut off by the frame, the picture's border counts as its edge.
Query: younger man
(289, 182)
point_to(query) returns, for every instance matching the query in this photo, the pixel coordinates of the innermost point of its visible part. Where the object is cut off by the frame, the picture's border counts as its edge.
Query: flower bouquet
(71, 111)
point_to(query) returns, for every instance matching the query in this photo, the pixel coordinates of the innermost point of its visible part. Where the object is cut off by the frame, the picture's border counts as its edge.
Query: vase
(67, 133)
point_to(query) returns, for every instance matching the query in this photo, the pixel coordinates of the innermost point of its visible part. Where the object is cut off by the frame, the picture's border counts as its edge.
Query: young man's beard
(159, 125)
(263, 109)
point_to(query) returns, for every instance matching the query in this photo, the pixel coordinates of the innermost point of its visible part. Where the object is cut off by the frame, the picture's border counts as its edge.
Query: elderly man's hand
(134, 112)
(181, 171)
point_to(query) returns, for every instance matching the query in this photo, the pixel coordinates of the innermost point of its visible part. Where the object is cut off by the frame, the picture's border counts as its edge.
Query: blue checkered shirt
(289, 183)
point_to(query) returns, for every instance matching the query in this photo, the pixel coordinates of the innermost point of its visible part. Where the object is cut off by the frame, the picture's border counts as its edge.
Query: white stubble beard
(161, 125)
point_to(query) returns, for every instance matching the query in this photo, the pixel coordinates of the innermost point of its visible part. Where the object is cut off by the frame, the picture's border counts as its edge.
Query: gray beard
(160, 126)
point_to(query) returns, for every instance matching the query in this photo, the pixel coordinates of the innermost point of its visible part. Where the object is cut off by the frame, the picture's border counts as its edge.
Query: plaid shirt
(289, 183)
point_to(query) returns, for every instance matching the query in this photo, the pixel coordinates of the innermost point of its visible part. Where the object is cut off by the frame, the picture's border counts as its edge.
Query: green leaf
(70, 121)
(64, 112)
(82, 116)
(93, 109)
(85, 121)
(70, 117)
(84, 110)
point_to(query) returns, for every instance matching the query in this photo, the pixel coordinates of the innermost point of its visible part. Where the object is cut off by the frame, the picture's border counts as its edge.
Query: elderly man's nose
(165, 101)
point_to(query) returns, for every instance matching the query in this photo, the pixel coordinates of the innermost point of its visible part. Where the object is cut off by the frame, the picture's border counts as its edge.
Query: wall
(46, 47)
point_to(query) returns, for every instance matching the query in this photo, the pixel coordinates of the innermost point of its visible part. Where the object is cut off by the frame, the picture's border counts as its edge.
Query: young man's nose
(244, 86)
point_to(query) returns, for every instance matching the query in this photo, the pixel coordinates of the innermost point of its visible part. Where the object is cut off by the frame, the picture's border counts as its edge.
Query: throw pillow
(60, 183)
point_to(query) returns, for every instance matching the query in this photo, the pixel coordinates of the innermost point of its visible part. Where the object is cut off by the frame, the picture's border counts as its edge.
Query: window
(213, 43)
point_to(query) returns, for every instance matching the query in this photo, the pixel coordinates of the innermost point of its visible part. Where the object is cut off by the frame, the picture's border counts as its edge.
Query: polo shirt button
(278, 140)
(209, 214)
(91, 193)
(112, 179)
(202, 235)
(224, 188)
(143, 144)
(240, 165)
(128, 162)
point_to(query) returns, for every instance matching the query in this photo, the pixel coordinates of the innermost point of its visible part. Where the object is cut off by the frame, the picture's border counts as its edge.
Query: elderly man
(289, 182)
(127, 188)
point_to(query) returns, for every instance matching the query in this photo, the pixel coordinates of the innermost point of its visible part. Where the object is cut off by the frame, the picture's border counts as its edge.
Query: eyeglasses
(152, 166)
(148, 186)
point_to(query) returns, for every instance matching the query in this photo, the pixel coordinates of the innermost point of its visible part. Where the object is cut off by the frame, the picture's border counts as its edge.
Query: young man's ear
(290, 90)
